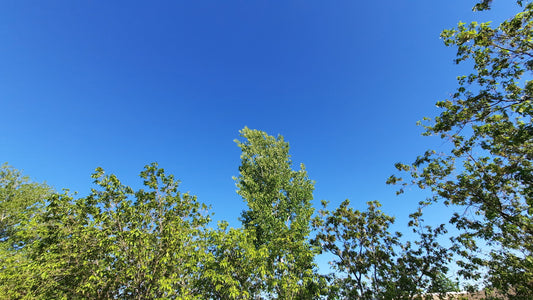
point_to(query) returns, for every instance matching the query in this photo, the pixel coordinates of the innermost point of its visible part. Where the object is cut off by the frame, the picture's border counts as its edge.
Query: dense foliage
(20, 201)
(114, 243)
(279, 214)
(159, 243)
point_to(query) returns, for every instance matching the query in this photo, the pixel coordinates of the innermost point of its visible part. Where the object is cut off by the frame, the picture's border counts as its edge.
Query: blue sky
(120, 84)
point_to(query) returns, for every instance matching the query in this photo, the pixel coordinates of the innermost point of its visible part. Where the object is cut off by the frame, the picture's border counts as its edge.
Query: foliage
(363, 246)
(117, 243)
(156, 244)
(422, 266)
(443, 284)
(489, 169)
(235, 269)
(371, 262)
(279, 212)
(20, 201)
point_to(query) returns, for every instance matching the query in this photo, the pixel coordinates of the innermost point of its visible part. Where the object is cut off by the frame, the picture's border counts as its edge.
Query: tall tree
(279, 211)
(489, 170)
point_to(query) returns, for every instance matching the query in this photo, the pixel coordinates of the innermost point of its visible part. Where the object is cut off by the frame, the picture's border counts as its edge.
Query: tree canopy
(159, 243)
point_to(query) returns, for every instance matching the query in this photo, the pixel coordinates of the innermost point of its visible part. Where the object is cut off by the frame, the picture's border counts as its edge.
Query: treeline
(158, 243)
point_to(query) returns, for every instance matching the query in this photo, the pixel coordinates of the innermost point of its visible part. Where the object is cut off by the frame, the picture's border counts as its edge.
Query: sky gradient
(121, 84)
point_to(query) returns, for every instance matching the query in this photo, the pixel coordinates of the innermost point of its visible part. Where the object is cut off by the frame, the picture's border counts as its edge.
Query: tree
(363, 247)
(488, 171)
(21, 200)
(422, 265)
(279, 211)
(117, 243)
(371, 262)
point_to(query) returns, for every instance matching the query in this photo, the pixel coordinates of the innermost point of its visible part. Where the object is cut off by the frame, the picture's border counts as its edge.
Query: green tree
(488, 171)
(371, 262)
(363, 247)
(422, 265)
(118, 243)
(279, 212)
(21, 200)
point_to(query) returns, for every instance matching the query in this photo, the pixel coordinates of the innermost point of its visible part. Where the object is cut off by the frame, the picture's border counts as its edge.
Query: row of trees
(159, 243)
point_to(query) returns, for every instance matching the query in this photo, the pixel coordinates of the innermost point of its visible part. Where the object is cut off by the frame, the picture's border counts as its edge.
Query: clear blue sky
(120, 84)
